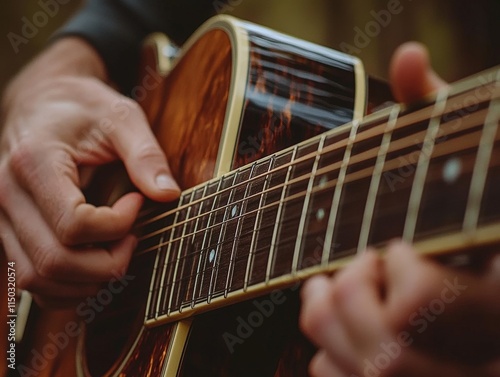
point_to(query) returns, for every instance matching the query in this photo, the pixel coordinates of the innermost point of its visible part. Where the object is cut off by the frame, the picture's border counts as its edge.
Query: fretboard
(414, 173)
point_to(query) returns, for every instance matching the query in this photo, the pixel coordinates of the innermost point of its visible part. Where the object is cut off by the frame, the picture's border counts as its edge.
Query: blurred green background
(462, 35)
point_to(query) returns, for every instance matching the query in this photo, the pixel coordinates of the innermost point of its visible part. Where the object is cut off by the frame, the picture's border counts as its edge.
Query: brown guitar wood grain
(189, 122)
(199, 297)
(187, 112)
(155, 344)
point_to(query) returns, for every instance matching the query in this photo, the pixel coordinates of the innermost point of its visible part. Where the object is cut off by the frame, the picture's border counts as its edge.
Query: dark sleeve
(116, 29)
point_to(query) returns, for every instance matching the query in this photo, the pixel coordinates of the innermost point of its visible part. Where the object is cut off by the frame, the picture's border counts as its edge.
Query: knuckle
(67, 230)
(22, 156)
(149, 151)
(69, 233)
(126, 108)
(132, 105)
(46, 261)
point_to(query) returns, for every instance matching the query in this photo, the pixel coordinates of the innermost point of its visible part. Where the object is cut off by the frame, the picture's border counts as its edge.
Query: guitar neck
(413, 173)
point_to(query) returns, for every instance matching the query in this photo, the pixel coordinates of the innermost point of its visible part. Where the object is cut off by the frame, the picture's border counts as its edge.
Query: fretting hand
(404, 315)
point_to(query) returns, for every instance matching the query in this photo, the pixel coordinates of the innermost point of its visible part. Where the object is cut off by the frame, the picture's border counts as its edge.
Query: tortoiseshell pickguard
(292, 95)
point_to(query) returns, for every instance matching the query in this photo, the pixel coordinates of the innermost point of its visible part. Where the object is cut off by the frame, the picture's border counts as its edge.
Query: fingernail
(166, 182)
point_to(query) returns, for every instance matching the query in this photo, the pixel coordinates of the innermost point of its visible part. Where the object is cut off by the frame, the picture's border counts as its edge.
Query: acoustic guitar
(287, 171)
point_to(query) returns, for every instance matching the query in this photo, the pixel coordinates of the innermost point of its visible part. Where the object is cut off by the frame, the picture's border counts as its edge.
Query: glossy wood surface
(259, 337)
(153, 347)
(188, 109)
(293, 93)
(288, 97)
(189, 123)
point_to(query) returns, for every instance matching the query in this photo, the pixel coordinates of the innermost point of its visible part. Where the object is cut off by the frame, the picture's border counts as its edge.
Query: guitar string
(469, 125)
(181, 300)
(411, 119)
(462, 96)
(186, 256)
(322, 171)
(209, 268)
(295, 162)
(297, 196)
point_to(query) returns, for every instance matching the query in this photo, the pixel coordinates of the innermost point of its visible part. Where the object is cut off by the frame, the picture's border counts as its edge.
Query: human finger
(145, 161)
(411, 75)
(348, 324)
(414, 282)
(51, 176)
(322, 325)
(50, 258)
(323, 366)
(28, 279)
(411, 282)
(359, 299)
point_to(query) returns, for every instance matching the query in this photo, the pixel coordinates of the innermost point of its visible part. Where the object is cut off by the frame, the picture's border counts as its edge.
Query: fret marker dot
(320, 215)
(211, 256)
(323, 181)
(234, 211)
(452, 170)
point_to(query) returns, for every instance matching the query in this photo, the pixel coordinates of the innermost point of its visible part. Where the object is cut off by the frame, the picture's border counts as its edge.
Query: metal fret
(305, 207)
(164, 287)
(239, 225)
(173, 286)
(278, 216)
(193, 242)
(358, 162)
(206, 237)
(163, 272)
(254, 234)
(480, 171)
(151, 312)
(376, 177)
(423, 166)
(178, 259)
(336, 196)
(215, 269)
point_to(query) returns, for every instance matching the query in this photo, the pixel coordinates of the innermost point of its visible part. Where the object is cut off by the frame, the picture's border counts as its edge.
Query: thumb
(411, 74)
(143, 157)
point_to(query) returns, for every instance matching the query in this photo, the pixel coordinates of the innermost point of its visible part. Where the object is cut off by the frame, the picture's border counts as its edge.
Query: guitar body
(238, 92)
(274, 191)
